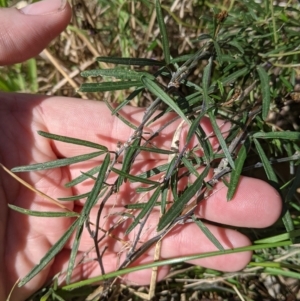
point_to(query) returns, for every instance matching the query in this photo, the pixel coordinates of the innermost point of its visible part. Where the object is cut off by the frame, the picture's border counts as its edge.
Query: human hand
(24, 240)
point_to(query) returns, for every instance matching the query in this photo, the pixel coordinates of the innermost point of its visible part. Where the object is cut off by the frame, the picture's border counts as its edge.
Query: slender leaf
(208, 233)
(235, 175)
(187, 163)
(220, 139)
(74, 197)
(157, 91)
(154, 171)
(43, 214)
(130, 61)
(113, 112)
(206, 82)
(117, 73)
(54, 250)
(163, 32)
(57, 163)
(156, 150)
(133, 178)
(178, 206)
(194, 126)
(233, 76)
(109, 86)
(83, 176)
(148, 207)
(89, 204)
(266, 163)
(265, 90)
(278, 135)
(145, 189)
(130, 151)
(72, 140)
(140, 205)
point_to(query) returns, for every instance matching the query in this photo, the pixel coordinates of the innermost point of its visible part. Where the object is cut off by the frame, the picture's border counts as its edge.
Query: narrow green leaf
(265, 90)
(139, 205)
(148, 207)
(74, 197)
(133, 178)
(157, 91)
(233, 76)
(288, 223)
(155, 150)
(116, 73)
(114, 112)
(108, 86)
(164, 196)
(43, 214)
(54, 250)
(72, 140)
(235, 175)
(89, 204)
(83, 176)
(208, 233)
(74, 249)
(194, 126)
(130, 151)
(218, 52)
(57, 163)
(163, 32)
(278, 135)
(220, 138)
(266, 163)
(130, 61)
(154, 171)
(145, 189)
(178, 206)
(190, 166)
(206, 82)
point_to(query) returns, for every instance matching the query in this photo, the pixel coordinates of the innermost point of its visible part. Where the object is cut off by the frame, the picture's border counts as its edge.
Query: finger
(26, 32)
(255, 204)
(181, 241)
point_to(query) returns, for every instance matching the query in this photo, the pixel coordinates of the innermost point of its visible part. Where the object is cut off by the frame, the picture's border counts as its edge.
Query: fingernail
(44, 7)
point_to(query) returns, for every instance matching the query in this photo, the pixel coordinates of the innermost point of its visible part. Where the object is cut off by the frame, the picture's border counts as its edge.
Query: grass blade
(220, 138)
(89, 204)
(235, 175)
(148, 207)
(130, 61)
(115, 112)
(278, 135)
(163, 32)
(116, 73)
(265, 90)
(56, 163)
(108, 86)
(157, 91)
(178, 206)
(43, 214)
(72, 140)
(208, 233)
(50, 254)
(266, 163)
(133, 178)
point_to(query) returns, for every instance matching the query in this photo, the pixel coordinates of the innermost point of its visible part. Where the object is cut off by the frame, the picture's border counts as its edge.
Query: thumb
(26, 32)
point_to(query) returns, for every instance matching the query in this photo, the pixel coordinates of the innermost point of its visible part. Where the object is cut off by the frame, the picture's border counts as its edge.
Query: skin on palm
(24, 240)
